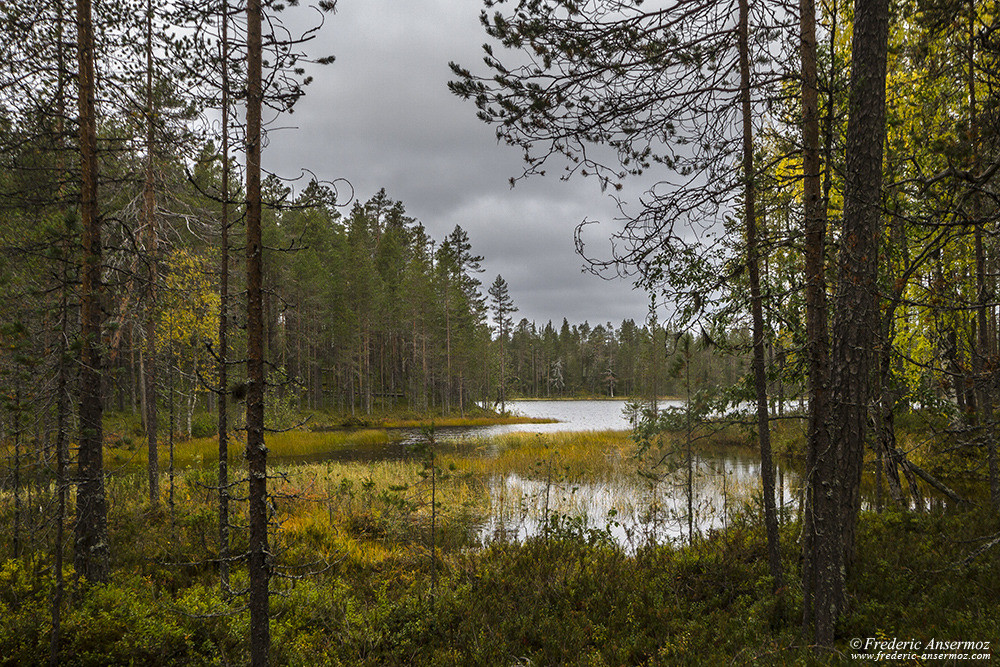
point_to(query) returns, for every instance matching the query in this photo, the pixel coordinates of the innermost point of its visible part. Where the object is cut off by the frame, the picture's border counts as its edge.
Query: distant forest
(365, 311)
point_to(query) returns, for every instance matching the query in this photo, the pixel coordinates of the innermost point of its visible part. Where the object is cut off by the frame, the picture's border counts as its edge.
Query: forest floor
(358, 580)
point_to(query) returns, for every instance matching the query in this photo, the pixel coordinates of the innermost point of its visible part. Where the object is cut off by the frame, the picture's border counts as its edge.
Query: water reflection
(631, 509)
(570, 415)
(627, 507)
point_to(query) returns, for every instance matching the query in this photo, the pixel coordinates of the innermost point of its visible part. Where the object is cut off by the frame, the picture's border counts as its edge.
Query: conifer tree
(502, 305)
(91, 555)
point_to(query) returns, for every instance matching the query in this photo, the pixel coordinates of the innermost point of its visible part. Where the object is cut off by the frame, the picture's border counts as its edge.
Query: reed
(580, 455)
(199, 451)
(390, 422)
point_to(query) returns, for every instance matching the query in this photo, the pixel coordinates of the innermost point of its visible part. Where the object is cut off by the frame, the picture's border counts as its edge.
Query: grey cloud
(382, 116)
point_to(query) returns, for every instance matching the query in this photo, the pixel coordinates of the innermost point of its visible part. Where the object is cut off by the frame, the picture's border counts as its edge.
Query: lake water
(569, 415)
(635, 509)
(631, 508)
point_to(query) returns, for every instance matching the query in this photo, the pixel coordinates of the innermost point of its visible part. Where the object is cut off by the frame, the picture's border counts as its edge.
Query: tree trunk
(224, 319)
(62, 459)
(149, 222)
(814, 521)
(91, 552)
(981, 356)
(753, 268)
(256, 452)
(62, 379)
(856, 317)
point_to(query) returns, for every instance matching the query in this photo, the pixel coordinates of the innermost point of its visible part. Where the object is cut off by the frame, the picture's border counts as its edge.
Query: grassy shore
(316, 433)
(319, 420)
(358, 582)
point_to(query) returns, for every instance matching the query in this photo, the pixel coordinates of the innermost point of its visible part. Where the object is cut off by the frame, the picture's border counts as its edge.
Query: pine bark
(256, 452)
(815, 222)
(62, 378)
(223, 360)
(856, 320)
(152, 243)
(91, 551)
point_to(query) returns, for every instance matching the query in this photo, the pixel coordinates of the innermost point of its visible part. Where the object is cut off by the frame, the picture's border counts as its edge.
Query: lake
(631, 508)
(584, 415)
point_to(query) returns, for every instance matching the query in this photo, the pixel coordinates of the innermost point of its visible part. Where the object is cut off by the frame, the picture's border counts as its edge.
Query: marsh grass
(324, 420)
(602, 484)
(202, 451)
(515, 481)
(351, 551)
(580, 455)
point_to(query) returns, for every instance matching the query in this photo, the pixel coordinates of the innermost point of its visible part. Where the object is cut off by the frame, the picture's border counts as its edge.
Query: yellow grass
(588, 454)
(390, 422)
(290, 443)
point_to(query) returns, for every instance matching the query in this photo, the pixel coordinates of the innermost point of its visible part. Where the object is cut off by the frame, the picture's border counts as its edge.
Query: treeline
(639, 361)
(366, 311)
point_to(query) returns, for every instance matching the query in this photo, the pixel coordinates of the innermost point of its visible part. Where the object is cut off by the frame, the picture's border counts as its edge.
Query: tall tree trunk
(91, 551)
(981, 356)
(256, 452)
(753, 268)
(224, 319)
(152, 243)
(62, 378)
(814, 522)
(855, 317)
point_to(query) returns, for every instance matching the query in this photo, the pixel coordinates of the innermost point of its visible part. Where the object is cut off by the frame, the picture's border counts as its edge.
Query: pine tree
(502, 305)
(91, 556)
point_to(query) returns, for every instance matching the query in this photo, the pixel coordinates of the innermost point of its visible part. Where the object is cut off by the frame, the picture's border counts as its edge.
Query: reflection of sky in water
(642, 512)
(633, 510)
(571, 416)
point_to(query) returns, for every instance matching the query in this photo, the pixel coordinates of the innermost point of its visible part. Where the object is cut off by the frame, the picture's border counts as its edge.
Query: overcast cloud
(382, 116)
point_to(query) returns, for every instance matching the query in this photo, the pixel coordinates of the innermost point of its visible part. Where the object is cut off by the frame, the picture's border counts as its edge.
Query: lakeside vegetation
(314, 434)
(356, 582)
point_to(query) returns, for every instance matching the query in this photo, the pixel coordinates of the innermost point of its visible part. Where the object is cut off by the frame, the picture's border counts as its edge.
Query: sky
(381, 116)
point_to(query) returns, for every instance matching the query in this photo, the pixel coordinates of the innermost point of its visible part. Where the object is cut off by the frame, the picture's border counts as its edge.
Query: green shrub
(204, 425)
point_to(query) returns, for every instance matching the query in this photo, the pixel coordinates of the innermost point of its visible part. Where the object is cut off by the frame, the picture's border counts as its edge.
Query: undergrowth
(359, 579)
(355, 588)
